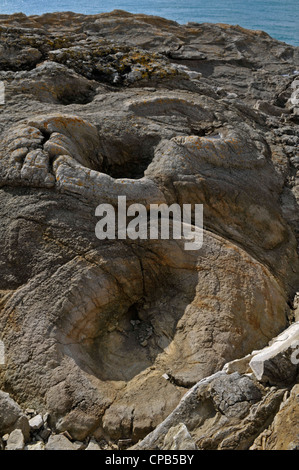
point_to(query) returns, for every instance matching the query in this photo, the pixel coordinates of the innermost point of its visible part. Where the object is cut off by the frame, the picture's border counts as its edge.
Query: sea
(279, 18)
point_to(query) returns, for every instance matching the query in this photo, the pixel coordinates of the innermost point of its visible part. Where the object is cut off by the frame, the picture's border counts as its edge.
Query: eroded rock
(278, 363)
(220, 412)
(283, 431)
(59, 442)
(178, 438)
(160, 113)
(12, 416)
(15, 440)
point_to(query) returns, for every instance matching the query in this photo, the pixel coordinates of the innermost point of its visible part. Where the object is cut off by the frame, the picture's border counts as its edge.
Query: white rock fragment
(278, 363)
(36, 422)
(36, 446)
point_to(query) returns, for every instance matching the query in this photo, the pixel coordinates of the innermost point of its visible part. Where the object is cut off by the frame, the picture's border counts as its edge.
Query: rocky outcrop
(221, 412)
(229, 409)
(125, 340)
(282, 434)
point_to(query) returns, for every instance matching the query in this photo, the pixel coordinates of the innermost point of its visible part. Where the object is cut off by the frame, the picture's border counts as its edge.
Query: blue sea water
(279, 18)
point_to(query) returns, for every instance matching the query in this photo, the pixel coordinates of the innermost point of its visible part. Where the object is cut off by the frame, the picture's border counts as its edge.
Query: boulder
(12, 417)
(50, 82)
(15, 440)
(59, 442)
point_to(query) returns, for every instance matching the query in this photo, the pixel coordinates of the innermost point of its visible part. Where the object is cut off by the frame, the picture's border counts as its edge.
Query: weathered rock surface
(283, 433)
(107, 336)
(37, 446)
(15, 440)
(279, 362)
(59, 442)
(221, 412)
(36, 422)
(235, 409)
(12, 416)
(93, 445)
(178, 438)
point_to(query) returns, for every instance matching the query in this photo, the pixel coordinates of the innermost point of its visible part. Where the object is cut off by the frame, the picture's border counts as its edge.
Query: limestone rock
(187, 53)
(37, 446)
(79, 445)
(93, 445)
(36, 422)
(278, 363)
(78, 424)
(15, 440)
(269, 108)
(283, 433)
(110, 105)
(221, 412)
(12, 416)
(50, 82)
(59, 442)
(178, 438)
